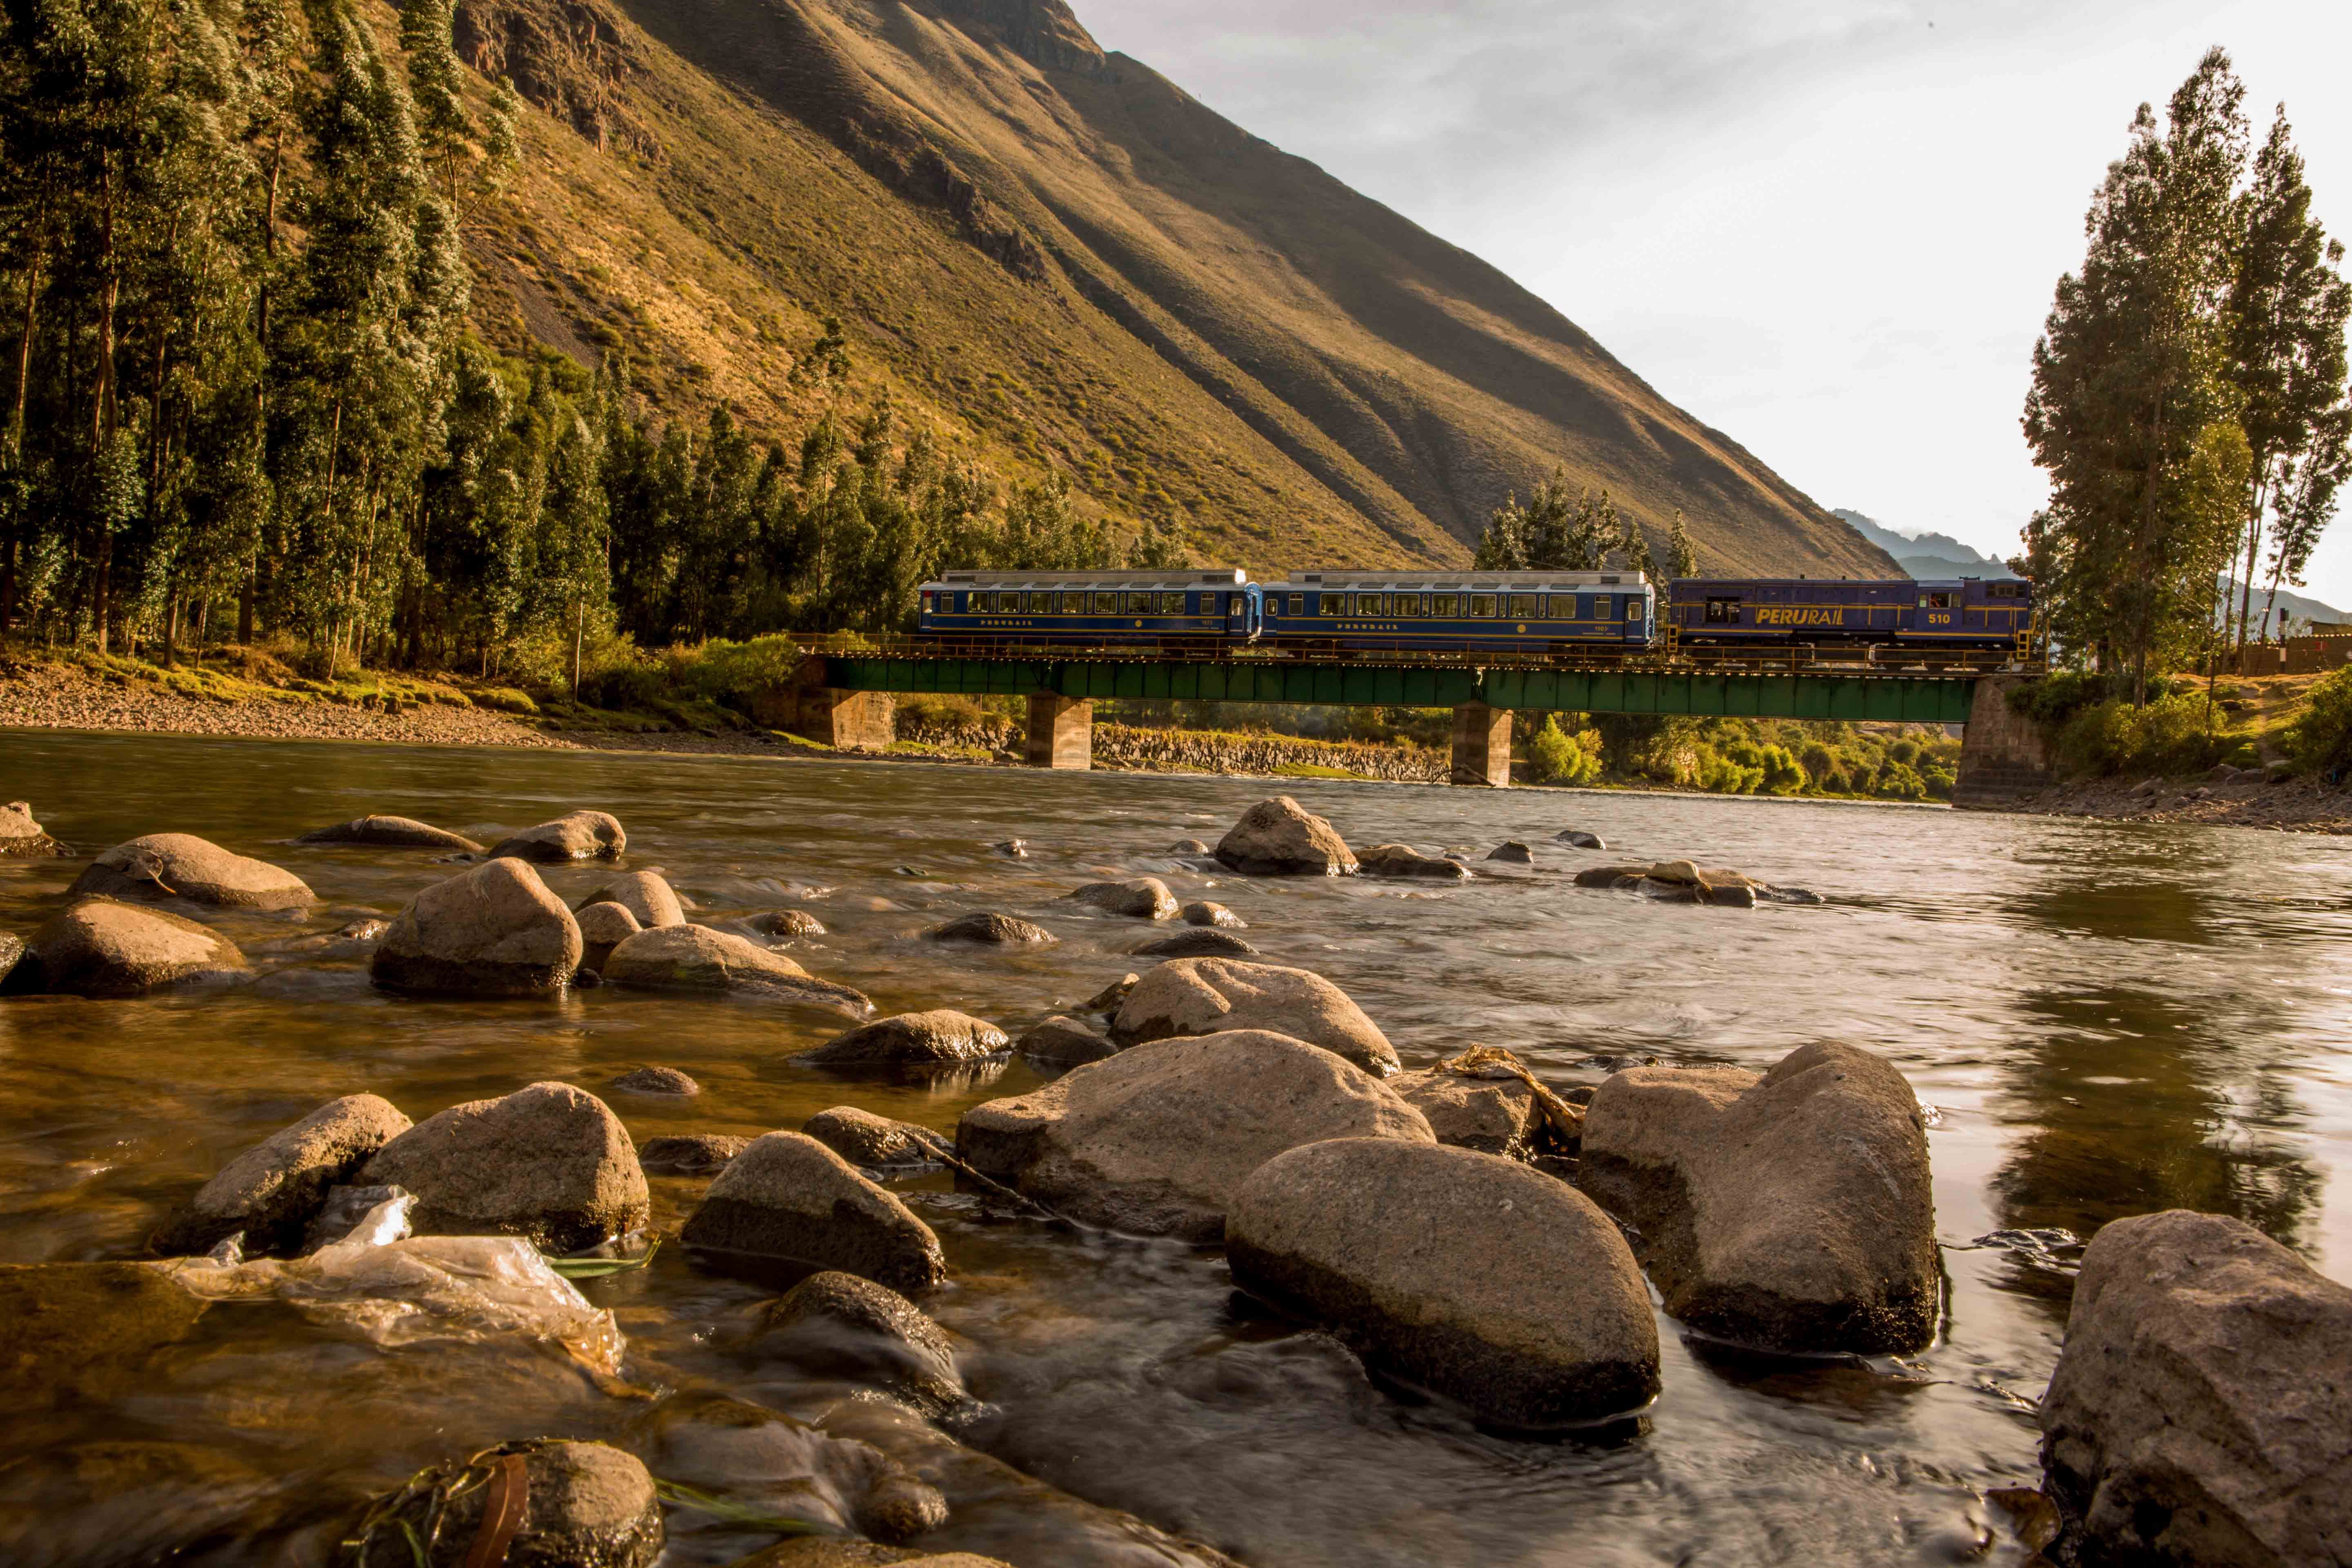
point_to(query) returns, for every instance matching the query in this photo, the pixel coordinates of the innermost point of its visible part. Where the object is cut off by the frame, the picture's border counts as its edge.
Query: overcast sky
(1829, 227)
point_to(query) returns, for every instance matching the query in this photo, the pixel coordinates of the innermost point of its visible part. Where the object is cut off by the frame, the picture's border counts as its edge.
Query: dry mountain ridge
(1054, 256)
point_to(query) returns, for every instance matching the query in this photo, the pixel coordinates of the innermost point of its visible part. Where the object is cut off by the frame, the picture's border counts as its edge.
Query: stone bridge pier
(851, 721)
(1482, 745)
(1061, 731)
(2002, 754)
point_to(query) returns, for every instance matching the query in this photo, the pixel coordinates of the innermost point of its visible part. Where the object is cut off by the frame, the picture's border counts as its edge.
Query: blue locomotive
(1536, 615)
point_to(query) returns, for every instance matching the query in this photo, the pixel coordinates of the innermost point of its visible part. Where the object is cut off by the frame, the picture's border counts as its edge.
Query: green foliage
(1552, 533)
(1554, 757)
(2172, 735)
(2320, 739)
(2059, 696)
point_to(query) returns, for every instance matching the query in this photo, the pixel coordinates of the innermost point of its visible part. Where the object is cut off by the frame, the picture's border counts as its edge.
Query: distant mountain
(1926, 554)
(1050, 257)
(2293, 609)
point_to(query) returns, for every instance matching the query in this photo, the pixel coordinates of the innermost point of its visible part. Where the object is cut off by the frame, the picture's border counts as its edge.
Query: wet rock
(2201, 1411)
(689, 1154)
(912, 1039)
(1188, 847)
(696, 958)
(272, 1190)
(995, 930)
(1156, 1141)
(644, 894)
(1494, 1116)
(494, 931)
(1610, 876)
(583, 1505)
(1207, 995)
(12, 953)
(656, 1081)
(85, 1328)
(1144, 898)
(22, 839)
(1279, 838)
(1011, 849)
(391, 833)
(1462, 1273)
(762, 1462)
(1512, 852)
(100, 947)
(347, 1209)
(1404, 860)
(603, 928)
(547, 1162)
(181, 865)
(875, 1142)
(1111, 997)
(1204, 943)
(1791, 1213)
(789, 1197)
(578, 835)
(786, 922)
(1202, 912)
(1062, 1041)
(1577, 838)
(840, 1326)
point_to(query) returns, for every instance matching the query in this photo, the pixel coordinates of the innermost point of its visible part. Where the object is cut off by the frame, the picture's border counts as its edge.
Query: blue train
(1540, 615)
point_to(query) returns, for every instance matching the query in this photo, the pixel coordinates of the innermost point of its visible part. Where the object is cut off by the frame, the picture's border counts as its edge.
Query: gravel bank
(64, 697)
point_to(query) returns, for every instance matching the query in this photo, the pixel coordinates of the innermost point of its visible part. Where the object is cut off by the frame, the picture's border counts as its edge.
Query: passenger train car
(1171, 609)
(1540, 614)
(1416, 612)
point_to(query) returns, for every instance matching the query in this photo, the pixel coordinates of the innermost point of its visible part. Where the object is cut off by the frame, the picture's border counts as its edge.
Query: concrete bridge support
(1061, 731)
(2002, 754)
(1482, 745)
(852, 721)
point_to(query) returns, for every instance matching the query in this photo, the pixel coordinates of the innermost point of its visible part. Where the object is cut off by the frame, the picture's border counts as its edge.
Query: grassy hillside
(1051, 255)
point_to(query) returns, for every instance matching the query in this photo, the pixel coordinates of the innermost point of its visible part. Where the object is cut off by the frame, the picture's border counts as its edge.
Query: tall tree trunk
(2254, 547)
(103, 412)
(24, 351)
(171, 629)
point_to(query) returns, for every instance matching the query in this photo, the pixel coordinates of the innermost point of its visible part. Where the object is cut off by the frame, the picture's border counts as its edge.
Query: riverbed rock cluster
(1464, 1230)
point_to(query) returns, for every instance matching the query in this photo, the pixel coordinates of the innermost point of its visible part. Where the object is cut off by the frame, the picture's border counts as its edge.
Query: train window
(1523, 606)
(1481, 606)
(1935, 601)
(1632, 609)
(1408, 604)
(1298, 604)
(1137, 604)
(2006, 589)
(1722, 611)
(1106, 604)
(1171, 604)
(1332, 604)
(1040, 604)
(1074, 604)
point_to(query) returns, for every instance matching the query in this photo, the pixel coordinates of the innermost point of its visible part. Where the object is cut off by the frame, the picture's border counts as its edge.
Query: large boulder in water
(1492, 1115)
(101, 947)
(578, 835)
(942, 1036)
(1790, 1212)
(992, 929)
(22, 839)
(1404, 860)
(875, 1142)
(495, 931)
(181, 865)
(1063, 1041)
(571, 1504)
(1280, 837)
(696, 958)
(1198, 942)
(1144, 898)
(603, 928)
(644, 894)
(2202, 1408)
(547, 1162)
(789, 1198)
(391, 833)
(1209, 995)
(1156, 1140)
(271, 1191)
(838, 1325)
(1466, 1274)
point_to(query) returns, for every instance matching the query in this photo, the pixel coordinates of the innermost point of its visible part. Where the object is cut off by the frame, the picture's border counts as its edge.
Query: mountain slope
(1926, 554)
(1052, 256)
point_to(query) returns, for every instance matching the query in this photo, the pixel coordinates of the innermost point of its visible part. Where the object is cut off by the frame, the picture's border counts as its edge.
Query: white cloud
(1829, 227)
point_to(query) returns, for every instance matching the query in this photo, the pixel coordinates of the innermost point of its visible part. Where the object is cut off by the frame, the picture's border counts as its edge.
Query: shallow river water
(2105, 1018)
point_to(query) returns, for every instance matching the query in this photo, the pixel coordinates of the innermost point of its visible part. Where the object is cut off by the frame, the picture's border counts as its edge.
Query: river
(2105, 1018)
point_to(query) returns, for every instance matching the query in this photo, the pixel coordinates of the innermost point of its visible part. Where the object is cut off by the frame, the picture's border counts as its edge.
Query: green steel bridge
(1063, 683)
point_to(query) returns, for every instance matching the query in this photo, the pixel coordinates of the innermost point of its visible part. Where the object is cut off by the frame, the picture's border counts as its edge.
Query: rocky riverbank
(2225, 798)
